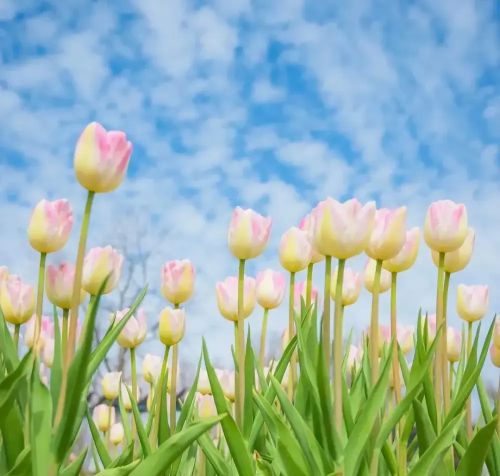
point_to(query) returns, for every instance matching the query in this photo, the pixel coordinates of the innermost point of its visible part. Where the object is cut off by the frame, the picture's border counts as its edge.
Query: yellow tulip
(59, 285)
(177, 281)
(472, 302)
(457, 260)
(389, 234)
(295, 251)
(172, 326)
(227, 297)
(385, 277)
(405, 259)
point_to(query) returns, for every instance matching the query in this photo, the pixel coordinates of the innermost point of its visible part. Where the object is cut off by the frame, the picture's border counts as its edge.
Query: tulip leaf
(187, 408)
(7, 346)
(56, 369)
(124, 416)
(99, 444)
(213, 455)
(125, 458)
(141, 432)
(164, 427)
(123, 471)
(23, 463)
(74, 468)
(248, 410)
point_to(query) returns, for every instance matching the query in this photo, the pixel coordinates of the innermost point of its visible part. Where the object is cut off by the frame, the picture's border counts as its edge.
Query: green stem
(173, 386)
(468, 417)
(394, 338)
(202, 463)
(309, 287)
(17, 328)
(337, 345)
(446, 381)
(134, 385)
(263, 338)
(159, 399)
(441, 346)
(292, 374)
(96, 459)
(326, 313)
(240, 347)
(75, 302)
(374, 344)
(64, 337)
(39, 302)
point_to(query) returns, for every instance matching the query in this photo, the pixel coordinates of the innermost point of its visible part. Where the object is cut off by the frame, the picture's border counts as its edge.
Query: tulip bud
(389, 234)
(445, 227)
(50, 225)
(59, 285)
(495, 355)
(172, 326)
(354, 358)
(404, 336)
(206, 405)
(472, 302)
(101, 158)
(104, 417)
(248, 233)
(227, 381)
(99, 264)
(496, 332)
(204, 383)
(300, 292)
(126, 398)
(431, 327)
(177, 281)
(453, 344)
(295, 251)
(405, 259)
(351, 286)
(135, 330)
(270, 288)
(46, 332)
(457, 260)
(151, 368)
(385, 277)
(307, 224)
(227, 297)
(111, 385)
(48, 352)
(343, 230)
(116, 434)
(17, 300)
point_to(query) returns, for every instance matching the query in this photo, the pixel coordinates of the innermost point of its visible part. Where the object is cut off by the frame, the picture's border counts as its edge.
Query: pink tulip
(405, 259)
(248, 233)
(404, 336)
(101, 158)
(46, 331)
(385, 277)
(4, 273)
(472, 302)
(227, 297)
(50, 225)
(59, 285)
(295, 250)
(172, 326)
(445, 227)
(17, 300)
(151, 368)
(177, 283)
(453, 344)
(307, 224)
(389, 234)
(205, 405)
(270, 288)
(351, 286)
(496, 332)
(354, 358)
(99, 264)
(135, 330)
(300, 291)
(457, 260)
(495, 355)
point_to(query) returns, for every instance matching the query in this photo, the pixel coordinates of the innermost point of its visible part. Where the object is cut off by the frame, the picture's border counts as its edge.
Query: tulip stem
(173, 386)
(240, 345)
(202, 463)
(309, 288)
(292, 375)
(374, 344)
(134, 385)
(468, 418)
(452, 370)
(326, 314)
(17, 328)
(75, 302)
(498, 407)
(441, 347)
(39, 302)
(108, 433)
(263, 338)
(64, 337)
(337, 345)
(446, 387)
(159, 399)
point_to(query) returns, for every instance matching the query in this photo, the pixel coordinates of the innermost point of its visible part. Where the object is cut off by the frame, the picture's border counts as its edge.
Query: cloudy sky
(269, 105)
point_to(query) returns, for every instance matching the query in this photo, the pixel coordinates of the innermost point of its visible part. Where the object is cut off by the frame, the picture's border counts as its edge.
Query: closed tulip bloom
(172, 326)
(343, 230)
(50, 225)
(111, 385)
(389, 234)
(46, 331)
(351, 287)
(206, 405)
(431, 327)
(59, 285)
(177, 281)
(308, 224)
(135, 330)
(248, 233)
(125, 396)
(227, 297)
(17, 300)
(495, 355)
(99, 264)
(445, 227)
(116, 434)
(295, 250)
(102, 418)
(227, 381)
(204, 383)
(453, 344)
(385, 277)
(300, 292)
(101, 158)
(457, 260)
(151, 368)
(404, 336)
(496, 332)
(48, 352)
(472, 302)
(270, 288)
(405, 259)
(354, 358)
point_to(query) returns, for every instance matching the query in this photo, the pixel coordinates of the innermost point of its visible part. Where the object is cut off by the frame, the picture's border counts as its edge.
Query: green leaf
(23, 463)
(99, 444)
(56, 369)
(75, 467)
(168, 452)
(248, 407)
(472, 463)
(186, 409)
(125, 458)
(164, 427)
(12, 435)
(141, 432)
(123, 471)
(213, 455)
(7, 346)
(124, 417)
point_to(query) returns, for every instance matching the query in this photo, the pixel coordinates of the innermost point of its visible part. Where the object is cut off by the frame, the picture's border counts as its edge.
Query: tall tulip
(269, 291)
(177, 283)
(101, 263)
(104, 417)
(453, 350)
(384, 281)
(227, 297)
(151, 368)
(351, 287)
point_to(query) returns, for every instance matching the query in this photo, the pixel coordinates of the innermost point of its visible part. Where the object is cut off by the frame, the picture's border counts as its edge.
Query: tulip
(59, 285)
(445, 228)
(99, 264)
(227, 297)
(151, 368)
(104, 417)
(431, 327)
(385, 277)
(405, 259)
(295, 251)
(472, 302)
(404, 336)
(126, 398)
(135, 330)
(285, 339)
(270, 288)
(4, 273)
(496, 332)
(206, 405)
(204, 387)
(354, 358)
(177, 281)
(300, 292)
(172, 326)
(308, 225)
(457, 260)
(116, 434)
(46, 332)
(495, 355)
(50, 225)
(351, 286)
(17, 300)
(43, 374)
(389, 234)
(248, 234)
(228, 382)
(101, 158)
(111, 385)
(454, 344)
(48, 352)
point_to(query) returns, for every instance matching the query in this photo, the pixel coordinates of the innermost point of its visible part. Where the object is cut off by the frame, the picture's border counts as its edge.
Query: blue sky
(269, 105)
